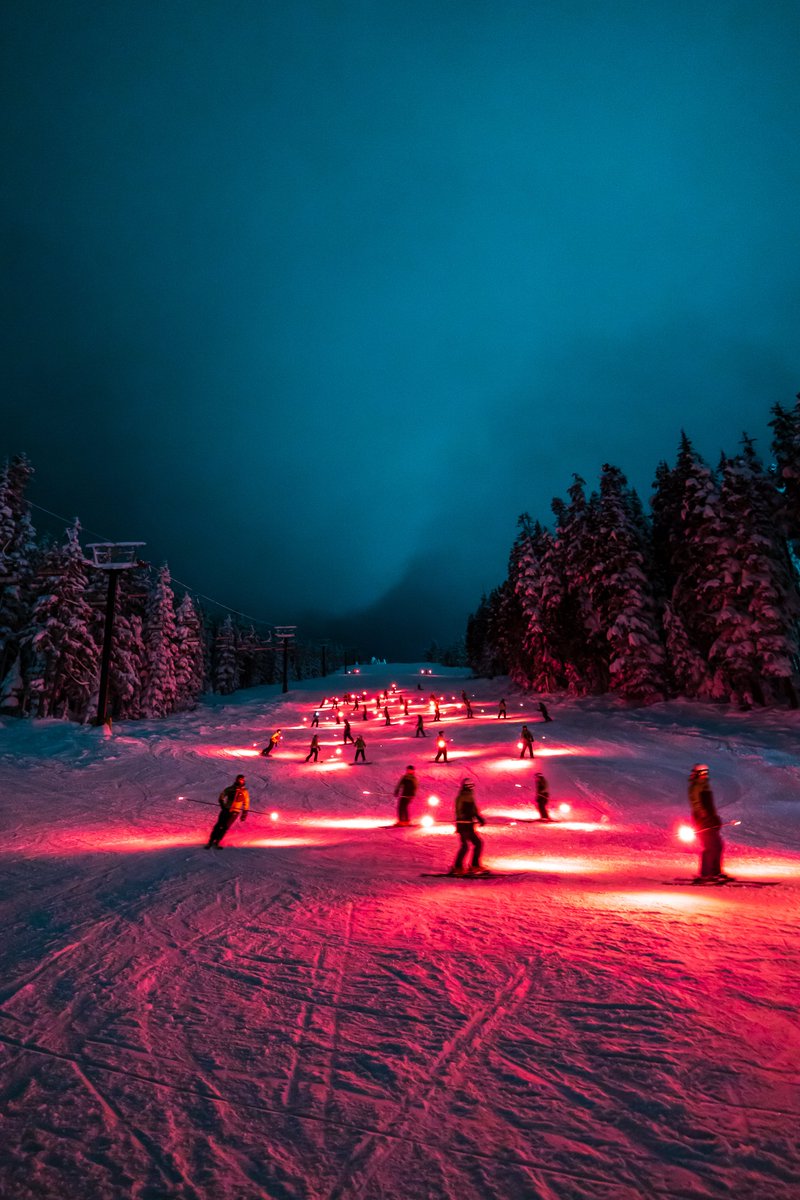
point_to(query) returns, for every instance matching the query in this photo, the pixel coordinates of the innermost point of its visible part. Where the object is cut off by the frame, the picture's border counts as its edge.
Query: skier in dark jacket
(272, 743)
(347, 735)
(420, 731)
(545, 714)
(361, 748)
(405, 792)
(527, 741)
(313, 749)
(466, 817)
(707, 824)
(234, 801)
(542, 796)
(441, 748)
(501, 710)
(315, 720)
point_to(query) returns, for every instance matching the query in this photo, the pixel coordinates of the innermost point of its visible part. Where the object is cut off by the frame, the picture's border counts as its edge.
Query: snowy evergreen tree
(756, 607)
(63, 674)
(189, 659)
(226, 672)
(785, 426)
(587, 654)
(18, 561)
(622, 594)
(160, 686)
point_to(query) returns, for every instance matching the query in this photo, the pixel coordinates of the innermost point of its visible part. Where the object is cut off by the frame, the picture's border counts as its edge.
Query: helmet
(240, 778)
(699, 769)
(467, 783)
(410, 767)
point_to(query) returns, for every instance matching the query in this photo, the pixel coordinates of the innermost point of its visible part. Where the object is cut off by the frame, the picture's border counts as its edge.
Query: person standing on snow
(543, 710)
(361, 748)
(707, 824)
(234, 801)
(347, 737)
(501, 710)
(273, 741)
(315, 720)
(405, 792)
(527, 741)
(420, 731)
(313, 749)
(542, 796)
(387, 719)
(467, 816)
(441, 748)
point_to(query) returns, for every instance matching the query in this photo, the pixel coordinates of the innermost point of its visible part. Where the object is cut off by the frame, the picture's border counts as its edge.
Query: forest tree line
(696, 598)
(166, 651)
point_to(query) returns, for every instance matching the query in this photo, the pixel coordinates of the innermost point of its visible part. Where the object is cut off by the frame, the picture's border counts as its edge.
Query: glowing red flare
(686, 833)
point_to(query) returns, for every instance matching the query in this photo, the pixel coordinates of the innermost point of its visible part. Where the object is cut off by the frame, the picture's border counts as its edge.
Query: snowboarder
(405, 792)
(273, 741)
(501, 710)
(466, 817)
(347, 736)
(543, 710)
(361, 748)
(313, 749)
(527, 741)
(542, 796)
(707, 824)
(315, 719)
(234, 801)
(441, 748)
(420, 732)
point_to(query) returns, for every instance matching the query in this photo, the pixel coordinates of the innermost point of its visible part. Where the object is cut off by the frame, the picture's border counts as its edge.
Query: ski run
(302, 1015)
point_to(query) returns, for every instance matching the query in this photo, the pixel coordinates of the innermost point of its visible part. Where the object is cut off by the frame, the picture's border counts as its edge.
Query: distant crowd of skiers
(234, 801)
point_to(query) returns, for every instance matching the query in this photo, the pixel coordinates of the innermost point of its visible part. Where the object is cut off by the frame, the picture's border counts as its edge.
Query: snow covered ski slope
(302, 1016)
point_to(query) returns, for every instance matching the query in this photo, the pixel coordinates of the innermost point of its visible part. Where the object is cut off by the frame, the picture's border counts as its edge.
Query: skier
(315, 720)
(347, 736)
(437, 716)
(313, 749)
(387, 718)
(273, 741)
(361, 747)
(234, 801)
(405, 707)
(420, 727)
(441, 748)
(405, 792)
(527, 741)
(501, 710)
(542, 796)
(466, 816)
(467, 704)
(364, 713)
(543, 710)
(707, 824)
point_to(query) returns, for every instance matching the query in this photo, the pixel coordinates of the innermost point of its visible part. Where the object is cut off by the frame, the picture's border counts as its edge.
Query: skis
(466, 875)
(737, 883)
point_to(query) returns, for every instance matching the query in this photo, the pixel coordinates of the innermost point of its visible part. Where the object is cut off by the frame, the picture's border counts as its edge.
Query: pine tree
(160, 687)
(586, 654)
(622, 594)
(785, 426)
(226, 672)
(63, 674)
(18, 561)
(189, 663)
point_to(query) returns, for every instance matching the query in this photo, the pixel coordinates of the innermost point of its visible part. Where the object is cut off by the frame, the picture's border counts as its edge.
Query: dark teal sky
(316, 298)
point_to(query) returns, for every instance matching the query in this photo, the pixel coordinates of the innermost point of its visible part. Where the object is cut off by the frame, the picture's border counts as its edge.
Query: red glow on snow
(273, 816)
(332, 766)
(345, 822)
(278, 842)
(552, 864)
(565, 808)
(433, 801)
(227, 752)
(513, 764)
(426, 821)
(686, 834)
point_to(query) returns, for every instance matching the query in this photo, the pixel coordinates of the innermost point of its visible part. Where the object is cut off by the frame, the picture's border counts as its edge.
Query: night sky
(316, 298)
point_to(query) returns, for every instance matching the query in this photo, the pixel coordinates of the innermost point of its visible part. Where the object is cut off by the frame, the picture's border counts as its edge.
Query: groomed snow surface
(304, 1015)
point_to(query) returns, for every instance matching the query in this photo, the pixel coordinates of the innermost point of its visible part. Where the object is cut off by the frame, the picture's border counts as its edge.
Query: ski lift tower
(111, 557)
(285, 634)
